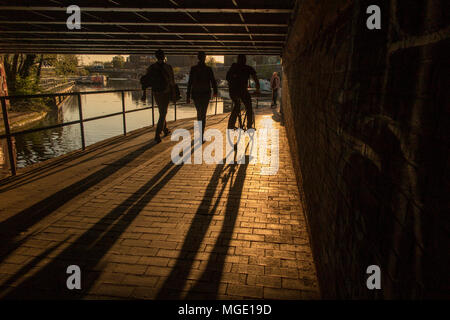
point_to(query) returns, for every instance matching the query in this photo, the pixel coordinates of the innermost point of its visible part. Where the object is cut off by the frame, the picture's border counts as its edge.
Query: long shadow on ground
(20, 222)
(208, 285)
(88, 250)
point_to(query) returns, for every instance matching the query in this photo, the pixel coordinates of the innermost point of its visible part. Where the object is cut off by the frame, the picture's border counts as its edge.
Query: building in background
(140, 60)
(253, 60)
(182, 61)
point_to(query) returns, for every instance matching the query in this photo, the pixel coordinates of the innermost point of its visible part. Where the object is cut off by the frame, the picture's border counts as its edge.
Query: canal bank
(22, 120)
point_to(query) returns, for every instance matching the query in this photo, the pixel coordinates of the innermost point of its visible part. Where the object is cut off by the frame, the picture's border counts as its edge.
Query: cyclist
(237, 78)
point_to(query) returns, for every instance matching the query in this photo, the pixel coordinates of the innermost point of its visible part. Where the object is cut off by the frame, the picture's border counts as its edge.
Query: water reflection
(39, 146)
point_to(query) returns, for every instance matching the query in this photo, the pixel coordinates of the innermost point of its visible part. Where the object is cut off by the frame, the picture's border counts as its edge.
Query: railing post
(123, 113)
(12, 162)
(80, 112)
(216, 105)
(175, 106)
(153, 110)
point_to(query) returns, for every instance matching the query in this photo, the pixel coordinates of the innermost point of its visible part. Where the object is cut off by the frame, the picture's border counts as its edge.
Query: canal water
(39, 146)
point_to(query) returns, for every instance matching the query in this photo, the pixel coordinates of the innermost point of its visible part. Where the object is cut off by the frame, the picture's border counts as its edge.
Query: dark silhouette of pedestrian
(275, 85)
(201, 79)
(163, 88)
(237, 78)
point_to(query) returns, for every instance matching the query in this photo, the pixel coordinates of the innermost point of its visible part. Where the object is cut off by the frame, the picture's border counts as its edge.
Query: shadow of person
(277, 116)
(88, 250)
(209, 282)
(13, 226)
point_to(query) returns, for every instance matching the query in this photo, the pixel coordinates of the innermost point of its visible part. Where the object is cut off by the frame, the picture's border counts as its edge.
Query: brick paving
(162, 231)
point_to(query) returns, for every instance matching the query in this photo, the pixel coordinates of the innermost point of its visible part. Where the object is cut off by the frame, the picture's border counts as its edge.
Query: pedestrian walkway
(142, 227)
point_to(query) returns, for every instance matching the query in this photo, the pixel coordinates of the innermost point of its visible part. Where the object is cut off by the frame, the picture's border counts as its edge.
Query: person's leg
(247, 100)
(204, 108)
(275, 97)
(234, 113)
(162, 100)
(198, 107)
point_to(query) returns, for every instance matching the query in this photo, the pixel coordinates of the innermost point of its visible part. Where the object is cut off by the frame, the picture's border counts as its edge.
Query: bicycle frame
(242, 115)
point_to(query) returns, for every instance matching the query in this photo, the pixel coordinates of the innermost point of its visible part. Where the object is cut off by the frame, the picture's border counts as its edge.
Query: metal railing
(9, 135)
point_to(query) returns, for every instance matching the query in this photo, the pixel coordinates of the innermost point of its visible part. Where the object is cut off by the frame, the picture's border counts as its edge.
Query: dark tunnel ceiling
(124, 27)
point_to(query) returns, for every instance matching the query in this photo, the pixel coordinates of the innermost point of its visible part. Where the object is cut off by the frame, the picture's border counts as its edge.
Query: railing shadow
(88, 250)
(20, 222)
(23, 220)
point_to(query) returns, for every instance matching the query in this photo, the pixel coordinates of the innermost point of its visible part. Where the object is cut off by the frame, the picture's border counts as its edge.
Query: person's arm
(172, 82)
(189, 87)
(213, 81)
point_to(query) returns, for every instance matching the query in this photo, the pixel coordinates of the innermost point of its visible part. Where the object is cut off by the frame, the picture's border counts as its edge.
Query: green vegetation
(23, 73)
(66, 64)
(118, 62)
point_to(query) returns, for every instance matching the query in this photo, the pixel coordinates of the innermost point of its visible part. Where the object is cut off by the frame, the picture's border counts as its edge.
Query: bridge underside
(123, 27)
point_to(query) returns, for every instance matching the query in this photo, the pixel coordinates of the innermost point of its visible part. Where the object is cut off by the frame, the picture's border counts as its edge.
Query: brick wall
(367, 115)
(3, 85)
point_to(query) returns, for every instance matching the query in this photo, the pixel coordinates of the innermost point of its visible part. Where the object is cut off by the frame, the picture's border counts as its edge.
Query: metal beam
(136, 40)
(243, 20)
(128, 51)
(141, 33)
(25, 45)
(151, 10)
(176, 24)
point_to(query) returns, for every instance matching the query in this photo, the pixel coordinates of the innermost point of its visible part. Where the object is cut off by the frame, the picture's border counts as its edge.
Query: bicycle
(242, 122)
(242, 114)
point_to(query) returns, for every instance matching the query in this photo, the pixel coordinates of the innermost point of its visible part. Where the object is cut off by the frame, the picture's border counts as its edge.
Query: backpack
(154, 78)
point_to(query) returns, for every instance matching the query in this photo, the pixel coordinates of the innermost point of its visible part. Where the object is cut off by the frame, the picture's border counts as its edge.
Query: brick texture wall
(3, 85)
(367, 115)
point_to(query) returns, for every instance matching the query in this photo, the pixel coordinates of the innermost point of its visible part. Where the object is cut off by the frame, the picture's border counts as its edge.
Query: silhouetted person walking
(237, 78)
(161, 78)
(201, 79)
(275, 85)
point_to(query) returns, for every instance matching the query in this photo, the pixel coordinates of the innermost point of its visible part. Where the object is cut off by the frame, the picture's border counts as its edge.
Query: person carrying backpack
(201, 79)
(237, 77)
(160, 77)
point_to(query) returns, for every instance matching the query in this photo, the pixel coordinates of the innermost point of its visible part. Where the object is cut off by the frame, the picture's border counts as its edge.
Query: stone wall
(367, 115)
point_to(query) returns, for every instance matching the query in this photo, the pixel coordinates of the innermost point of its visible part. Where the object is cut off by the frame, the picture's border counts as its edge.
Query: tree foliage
(118, 62)
(66, 64)
(23, 73)
(17, 66)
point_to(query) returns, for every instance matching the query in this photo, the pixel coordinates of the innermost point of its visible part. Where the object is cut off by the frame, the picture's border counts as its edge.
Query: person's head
(241, 59)
(201, 56)
(275, 74)
(159, 54)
